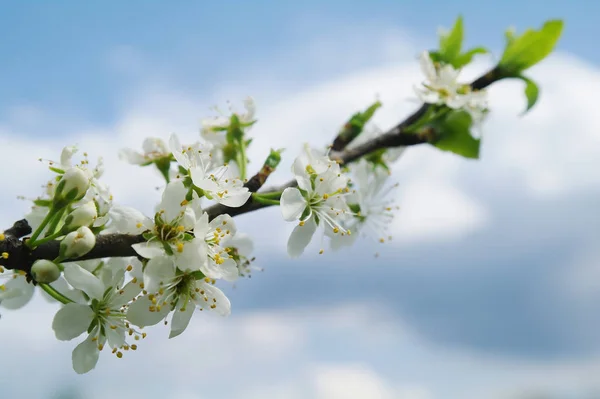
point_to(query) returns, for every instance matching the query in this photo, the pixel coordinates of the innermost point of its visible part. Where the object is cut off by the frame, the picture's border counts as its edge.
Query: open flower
(372, 209)
(218, 183)
(154, 148)
(172, 220)
(215, 237)
(103, 317)
(319, 200)
(170, 289)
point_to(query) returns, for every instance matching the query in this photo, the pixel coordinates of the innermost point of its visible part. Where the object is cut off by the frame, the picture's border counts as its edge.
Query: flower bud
(72, 186)
(77, 243)
(45, 271)
(85, 215)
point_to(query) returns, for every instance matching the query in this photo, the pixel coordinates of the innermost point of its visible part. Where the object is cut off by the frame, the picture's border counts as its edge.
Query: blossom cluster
(185, 254)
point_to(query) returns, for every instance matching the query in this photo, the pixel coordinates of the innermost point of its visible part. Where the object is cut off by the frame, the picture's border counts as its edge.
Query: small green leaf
(465, 58)
(274, 158)
(455, 135)
(532, 92)
(531, 47)
(451, 43)
(357, 122)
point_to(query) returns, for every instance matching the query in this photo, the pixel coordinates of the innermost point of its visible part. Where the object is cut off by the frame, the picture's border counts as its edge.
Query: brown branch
(20, 257)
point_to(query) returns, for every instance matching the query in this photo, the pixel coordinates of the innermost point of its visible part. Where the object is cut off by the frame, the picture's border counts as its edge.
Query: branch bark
(20, 257)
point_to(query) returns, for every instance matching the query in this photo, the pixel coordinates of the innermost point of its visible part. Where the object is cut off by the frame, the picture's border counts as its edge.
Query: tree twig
(20, 257)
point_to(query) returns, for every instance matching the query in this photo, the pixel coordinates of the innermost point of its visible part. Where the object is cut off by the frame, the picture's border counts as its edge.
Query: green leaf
(455, 135)
(465, 58)
(357, 122)
(274, 158)
(451, 43)
(532, 92)
(531, 47)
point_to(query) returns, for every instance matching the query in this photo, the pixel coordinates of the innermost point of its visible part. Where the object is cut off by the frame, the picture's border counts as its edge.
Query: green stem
(242, 160)
(264, 201)
(55, 294)
(48, 238)
(271, 195)
(38, 231)
(55, 222)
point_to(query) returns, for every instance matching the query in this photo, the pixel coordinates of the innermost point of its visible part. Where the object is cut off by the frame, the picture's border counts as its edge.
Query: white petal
(202, 225)
(149, 250)
(158, 270)
(18, 292)
(427, 66)
(243, 243)
(206, 184)
(85, 356)
(131, 156)
(115, 337)
(181, 318)
(126, 220)
(172, 200)
(139, 313)
(71, 321)
(236, 199)
(125, 295)
(213, 296)
(292, 204)
(300, 238)
(224, 222)
(176, 148)
(194, 255)
(83, 280)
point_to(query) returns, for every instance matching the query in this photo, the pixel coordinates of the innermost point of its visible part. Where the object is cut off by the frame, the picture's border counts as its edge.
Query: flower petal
(292, 204)
(71, 321)
(149, 250)
(181, 318)
(85, 356)
(131, 156)
(172, 200)
(125, 295)
(158, 271)
(300, 238)
(139, 313)
(83, 280)
(212, 297)
(18, 292)
(177, 150)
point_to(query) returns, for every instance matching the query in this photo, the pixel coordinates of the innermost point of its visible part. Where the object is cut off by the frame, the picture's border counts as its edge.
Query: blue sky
(57, 52)
(492, 280)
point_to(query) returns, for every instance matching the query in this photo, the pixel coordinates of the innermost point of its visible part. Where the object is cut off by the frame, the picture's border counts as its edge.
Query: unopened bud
(85, 215)
(72, 186)
(77, 243)
(45, 271)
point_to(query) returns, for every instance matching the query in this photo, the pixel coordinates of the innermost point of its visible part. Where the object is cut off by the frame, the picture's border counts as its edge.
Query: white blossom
(154, 148)
(319, 200)
(103, 317)
(372, 209)
(172, 290)
(218, 183)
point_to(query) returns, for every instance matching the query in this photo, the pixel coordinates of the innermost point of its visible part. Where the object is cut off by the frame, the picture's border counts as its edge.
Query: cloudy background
(490, 288)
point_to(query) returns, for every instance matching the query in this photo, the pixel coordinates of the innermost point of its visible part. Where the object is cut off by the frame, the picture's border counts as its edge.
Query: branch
(395, 137)
(20, 257)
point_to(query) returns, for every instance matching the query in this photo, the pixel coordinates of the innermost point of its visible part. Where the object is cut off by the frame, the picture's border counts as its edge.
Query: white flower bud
(77, 243)
(45, 271)
(85, 215)
(72, 186)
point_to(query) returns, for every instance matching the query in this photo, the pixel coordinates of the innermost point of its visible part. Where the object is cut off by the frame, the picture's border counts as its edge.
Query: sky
(491, 284)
